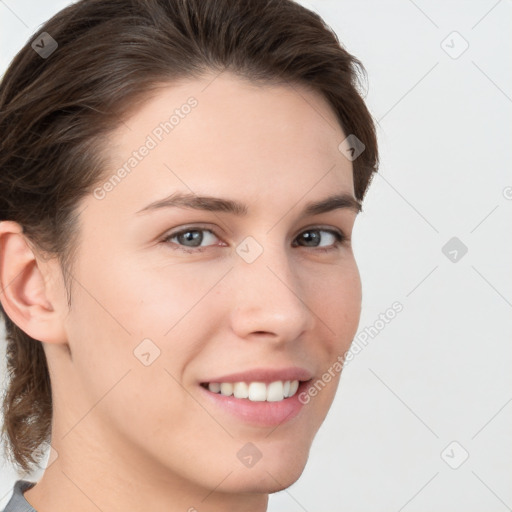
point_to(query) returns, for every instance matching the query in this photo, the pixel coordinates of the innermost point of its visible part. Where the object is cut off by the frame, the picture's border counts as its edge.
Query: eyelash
(339, 235)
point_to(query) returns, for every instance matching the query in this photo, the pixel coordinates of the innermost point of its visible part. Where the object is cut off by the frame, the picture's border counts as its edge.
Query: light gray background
(440, 371)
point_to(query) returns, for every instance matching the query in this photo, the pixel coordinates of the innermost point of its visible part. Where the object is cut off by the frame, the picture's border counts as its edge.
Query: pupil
(192, 236)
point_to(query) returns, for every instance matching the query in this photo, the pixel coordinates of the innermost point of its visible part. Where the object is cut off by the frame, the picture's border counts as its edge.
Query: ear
(28, 287)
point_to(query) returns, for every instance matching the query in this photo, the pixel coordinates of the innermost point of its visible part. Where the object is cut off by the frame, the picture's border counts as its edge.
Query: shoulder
(18, 503)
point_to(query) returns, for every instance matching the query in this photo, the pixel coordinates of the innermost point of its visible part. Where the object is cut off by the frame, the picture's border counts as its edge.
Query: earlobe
(24, 287)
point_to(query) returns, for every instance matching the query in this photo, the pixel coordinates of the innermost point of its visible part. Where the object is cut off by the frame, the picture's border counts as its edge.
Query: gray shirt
(18, 503)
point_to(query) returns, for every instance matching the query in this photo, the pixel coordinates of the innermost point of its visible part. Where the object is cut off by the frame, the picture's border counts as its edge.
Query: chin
(270, 474)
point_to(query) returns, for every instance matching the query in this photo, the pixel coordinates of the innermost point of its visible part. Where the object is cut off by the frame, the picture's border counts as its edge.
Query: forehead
(222, 134)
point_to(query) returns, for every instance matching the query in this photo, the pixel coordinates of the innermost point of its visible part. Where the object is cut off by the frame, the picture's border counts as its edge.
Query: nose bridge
(269, 296)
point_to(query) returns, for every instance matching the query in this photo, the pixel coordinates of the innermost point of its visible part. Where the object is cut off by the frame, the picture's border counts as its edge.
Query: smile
(262, 397)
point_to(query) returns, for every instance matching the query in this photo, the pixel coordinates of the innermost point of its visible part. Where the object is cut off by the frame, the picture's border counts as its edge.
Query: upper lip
(266, 375)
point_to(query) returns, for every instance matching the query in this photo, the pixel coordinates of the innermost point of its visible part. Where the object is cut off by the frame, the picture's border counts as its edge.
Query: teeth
(275, 391)
(226, 389)
(240, 390)
(214, 387)
(257, 391)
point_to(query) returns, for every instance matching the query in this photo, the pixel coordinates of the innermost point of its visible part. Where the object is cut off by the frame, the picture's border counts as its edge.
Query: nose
(269, 299)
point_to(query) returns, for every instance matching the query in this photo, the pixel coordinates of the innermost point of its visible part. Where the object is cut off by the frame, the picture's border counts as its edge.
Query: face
(171, 303)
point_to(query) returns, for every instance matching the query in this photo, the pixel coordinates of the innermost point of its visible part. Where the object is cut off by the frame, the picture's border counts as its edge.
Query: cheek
(339, 308)
(119, 315)
(154, 297)
(338, 304)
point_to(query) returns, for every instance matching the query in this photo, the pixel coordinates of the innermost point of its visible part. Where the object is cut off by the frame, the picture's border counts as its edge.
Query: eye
(313, 238)
(198, 239)
(191, 238)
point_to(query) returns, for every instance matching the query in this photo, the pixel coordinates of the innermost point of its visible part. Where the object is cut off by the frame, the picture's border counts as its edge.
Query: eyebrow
(218, 204)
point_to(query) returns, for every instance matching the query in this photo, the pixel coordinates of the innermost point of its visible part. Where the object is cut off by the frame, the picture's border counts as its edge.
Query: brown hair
(55, 111)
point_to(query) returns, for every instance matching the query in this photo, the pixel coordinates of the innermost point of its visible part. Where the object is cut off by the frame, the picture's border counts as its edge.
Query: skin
(136, 437)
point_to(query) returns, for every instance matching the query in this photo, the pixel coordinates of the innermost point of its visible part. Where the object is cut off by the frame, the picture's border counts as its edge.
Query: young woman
(179, 181)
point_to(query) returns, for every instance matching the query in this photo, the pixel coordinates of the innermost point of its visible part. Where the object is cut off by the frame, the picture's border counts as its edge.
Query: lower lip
(260, 414)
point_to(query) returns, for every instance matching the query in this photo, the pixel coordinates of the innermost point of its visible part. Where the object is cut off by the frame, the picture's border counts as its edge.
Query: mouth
(261, 397)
